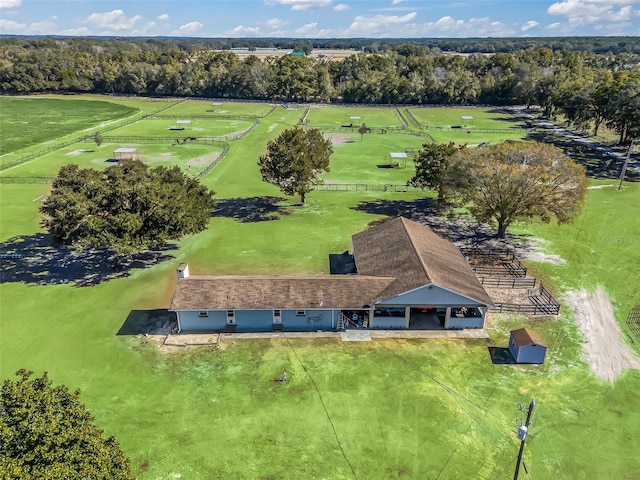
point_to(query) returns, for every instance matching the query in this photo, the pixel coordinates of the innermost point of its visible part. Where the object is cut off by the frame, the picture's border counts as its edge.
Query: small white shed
(526, 346)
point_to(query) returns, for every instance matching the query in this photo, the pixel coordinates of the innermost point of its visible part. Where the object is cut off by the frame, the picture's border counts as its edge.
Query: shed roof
(524, 336)
(467, 117)
(273, 291)
(180, 122)
(125, 150)
(415, 256)
(398, 155)
(355, 117)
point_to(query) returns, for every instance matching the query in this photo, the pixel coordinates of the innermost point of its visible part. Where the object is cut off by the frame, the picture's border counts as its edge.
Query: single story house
(401, 275)
(526, 346)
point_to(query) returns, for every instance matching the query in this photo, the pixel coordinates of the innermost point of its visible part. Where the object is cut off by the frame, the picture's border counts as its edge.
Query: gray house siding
(191, 321)
(430, 295)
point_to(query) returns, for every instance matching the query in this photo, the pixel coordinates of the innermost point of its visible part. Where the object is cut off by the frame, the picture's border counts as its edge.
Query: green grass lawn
(446, 117)
(199, 127)
(30, 121)
(337, 116)
(378, 410)
(205, 107)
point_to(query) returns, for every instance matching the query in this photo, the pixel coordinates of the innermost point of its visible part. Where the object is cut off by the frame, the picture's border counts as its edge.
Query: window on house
(276, 313)
(203, 313)
(300, 313)
(229, 313)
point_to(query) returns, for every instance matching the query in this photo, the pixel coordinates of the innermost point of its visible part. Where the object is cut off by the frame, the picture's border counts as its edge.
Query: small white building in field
(526, 346)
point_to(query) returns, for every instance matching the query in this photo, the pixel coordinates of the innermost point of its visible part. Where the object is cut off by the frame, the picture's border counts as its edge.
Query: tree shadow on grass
(32, 259)
(598, 164)
(458, 228)
(250, 209)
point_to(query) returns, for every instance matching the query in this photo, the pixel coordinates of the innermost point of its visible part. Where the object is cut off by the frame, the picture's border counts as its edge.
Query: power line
(324, 406)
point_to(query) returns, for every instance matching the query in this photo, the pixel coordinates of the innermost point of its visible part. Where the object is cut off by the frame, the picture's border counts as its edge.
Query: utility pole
(522, 435)
(626, 161)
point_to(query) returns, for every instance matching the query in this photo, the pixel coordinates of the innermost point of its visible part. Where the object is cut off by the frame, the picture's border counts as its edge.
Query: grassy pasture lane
(399, 409)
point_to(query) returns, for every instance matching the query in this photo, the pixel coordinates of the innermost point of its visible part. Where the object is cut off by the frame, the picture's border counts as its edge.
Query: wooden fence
(355, 187)
(508, 282)
(9, 180)
(542, 303)
(494, 262)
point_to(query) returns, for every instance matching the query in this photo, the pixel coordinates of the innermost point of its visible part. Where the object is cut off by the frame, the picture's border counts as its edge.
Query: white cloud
(275, 23)
(529, 25)
(36, 28)
(302, 5)
(589, 12)
(311, 30)
(163, 17)
(115, 20)
(395, 2)
(9, 26)
(378, 24)
(10, 3)
(474, 27)
(242, 31)
(147, 29)
(341, 7)
(77, 32)
(554, 26)
(188, 29)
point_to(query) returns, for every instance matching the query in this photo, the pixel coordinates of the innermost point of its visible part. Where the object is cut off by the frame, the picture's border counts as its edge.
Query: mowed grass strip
(337, 116)
(418, 409)
(199, 127)
(207, 107)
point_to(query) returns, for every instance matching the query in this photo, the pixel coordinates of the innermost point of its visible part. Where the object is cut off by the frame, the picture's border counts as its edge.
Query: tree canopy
(45, 432)
(518, 181)
(295, 159)
(432, 168)
(128, 207)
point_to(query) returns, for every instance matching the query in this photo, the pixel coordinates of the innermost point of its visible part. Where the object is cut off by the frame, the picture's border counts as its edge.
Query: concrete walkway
(362, 335)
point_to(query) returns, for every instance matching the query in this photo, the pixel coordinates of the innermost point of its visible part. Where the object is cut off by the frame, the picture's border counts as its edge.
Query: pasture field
(190, 157)
(30, 121)
(325, 116)
(206, 107)
(199, 127)
(376, 410)
(447, 117)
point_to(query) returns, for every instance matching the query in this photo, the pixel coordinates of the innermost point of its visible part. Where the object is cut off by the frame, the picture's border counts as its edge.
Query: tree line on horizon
(589, 89)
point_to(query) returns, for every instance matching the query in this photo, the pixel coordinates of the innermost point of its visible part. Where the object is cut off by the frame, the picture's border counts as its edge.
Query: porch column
(484, 311)
(372, 312)
(407, 316)
(447, 317)
(178, 318)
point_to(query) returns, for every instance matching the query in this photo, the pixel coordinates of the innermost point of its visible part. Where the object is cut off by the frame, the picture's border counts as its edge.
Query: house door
(277, 317)
(231, 318)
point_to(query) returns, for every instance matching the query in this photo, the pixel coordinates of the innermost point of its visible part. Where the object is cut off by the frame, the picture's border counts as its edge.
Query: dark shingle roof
(275, 292)
(415, 256)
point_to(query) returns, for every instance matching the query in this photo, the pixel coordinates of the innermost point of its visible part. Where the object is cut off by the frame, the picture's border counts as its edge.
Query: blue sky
(321, 18)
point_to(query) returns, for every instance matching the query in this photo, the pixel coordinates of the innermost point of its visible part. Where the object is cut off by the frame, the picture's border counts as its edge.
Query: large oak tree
(518, 181)
(433, 169)
(127, 207)
(295, 159)
(46, 432)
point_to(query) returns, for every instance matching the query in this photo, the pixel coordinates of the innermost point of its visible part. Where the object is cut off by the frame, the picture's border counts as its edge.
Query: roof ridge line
(415, 249)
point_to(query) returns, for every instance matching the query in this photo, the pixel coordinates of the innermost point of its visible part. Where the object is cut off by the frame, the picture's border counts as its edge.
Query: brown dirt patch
(534, 250)
(204, 160)
(340, 138)
(606, 352)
